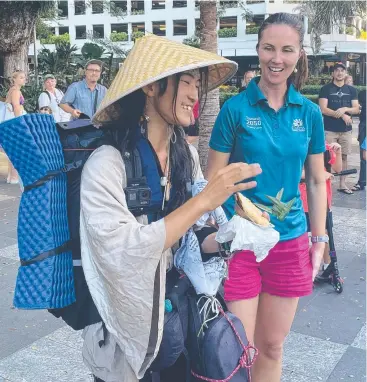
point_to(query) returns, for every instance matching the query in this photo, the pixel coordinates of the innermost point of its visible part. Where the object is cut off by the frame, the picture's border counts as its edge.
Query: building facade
(120, 21)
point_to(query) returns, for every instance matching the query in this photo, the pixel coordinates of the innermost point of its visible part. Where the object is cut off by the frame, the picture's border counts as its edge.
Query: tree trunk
(16, 60)
(208, 42)
(17, 20)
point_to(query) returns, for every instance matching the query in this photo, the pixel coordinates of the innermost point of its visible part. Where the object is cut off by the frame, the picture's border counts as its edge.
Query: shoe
(357, 187)
(345, 191)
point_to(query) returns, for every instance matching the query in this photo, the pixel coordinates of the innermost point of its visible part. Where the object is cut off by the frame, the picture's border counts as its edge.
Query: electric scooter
(331, 273)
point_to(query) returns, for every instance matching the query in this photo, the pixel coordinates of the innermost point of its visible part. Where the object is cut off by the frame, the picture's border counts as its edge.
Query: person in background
(349, 80)
(85, 96)
(274, 125)
(332, 162)
(247, 77)
(51, 97)
(15, 102)
(338, 102)
(192, 132)
(364, 149)
(46, 110)
(361, 184)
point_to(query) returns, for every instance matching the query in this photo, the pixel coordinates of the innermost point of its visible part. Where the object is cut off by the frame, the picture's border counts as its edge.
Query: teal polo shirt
(252, 132)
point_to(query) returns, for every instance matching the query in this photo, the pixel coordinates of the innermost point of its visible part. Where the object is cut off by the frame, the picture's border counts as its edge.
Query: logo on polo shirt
(253, 123)
(298, 125)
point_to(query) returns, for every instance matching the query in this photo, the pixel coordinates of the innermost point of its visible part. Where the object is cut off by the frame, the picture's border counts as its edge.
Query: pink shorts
(285, 272)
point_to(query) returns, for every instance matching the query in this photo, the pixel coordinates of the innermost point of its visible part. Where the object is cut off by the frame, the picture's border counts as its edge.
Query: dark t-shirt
(337, 97)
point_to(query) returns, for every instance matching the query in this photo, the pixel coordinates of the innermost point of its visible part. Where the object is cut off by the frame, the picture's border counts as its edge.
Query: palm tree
(324, 15)
(17, 22)
(208, 42)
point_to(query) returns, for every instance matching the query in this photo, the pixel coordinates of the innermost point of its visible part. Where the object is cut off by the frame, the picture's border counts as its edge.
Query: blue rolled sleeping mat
(45, 276)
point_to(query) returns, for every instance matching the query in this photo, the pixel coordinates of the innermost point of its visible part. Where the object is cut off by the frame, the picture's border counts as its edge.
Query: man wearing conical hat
(126, 258)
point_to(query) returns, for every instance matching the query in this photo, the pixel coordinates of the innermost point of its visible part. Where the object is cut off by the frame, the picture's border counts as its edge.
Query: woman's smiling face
(187, 95)
(279, 51)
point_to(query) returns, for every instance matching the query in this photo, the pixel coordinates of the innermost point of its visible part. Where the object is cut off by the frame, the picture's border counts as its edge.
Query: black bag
(175, 322)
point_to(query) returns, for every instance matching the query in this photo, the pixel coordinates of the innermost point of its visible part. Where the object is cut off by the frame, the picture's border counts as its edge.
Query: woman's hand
(335, 146)
(316, 253)
(328, 176)
(226, 182)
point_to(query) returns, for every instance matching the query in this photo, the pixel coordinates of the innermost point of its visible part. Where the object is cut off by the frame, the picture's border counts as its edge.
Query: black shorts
(330, 214)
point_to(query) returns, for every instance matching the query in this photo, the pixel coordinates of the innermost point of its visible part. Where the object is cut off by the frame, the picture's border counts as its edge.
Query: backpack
(79, 138)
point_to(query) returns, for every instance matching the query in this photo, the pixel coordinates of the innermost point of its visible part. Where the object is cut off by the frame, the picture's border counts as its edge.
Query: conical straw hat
(153, 58)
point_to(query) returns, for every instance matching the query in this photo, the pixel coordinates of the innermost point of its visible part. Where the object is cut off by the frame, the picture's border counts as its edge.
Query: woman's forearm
(317, 205)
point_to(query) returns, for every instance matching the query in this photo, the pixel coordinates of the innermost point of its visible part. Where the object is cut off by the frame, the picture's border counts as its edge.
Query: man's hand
(339, 112)
(76, 113)
(347, 119)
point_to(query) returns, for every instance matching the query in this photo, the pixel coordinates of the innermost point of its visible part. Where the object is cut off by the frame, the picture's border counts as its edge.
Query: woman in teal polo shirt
(272, 124)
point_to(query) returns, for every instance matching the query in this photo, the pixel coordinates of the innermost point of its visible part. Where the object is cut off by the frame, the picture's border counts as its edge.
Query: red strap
(245, 361)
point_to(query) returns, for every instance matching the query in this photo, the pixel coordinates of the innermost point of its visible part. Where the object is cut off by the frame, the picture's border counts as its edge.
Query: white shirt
(53, 102)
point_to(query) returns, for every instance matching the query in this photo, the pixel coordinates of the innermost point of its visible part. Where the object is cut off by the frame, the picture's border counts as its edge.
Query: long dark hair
(126, 133)
(297, 79)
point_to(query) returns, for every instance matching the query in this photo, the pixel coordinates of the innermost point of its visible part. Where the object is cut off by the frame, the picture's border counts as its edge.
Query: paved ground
(327, 342)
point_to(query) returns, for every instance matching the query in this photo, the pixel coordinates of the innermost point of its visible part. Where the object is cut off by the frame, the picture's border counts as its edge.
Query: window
(227, 27)
(53, 31)
(63, 30)
(138, 27)
(119, 7)
(179, 27)
(159, 28)
(63, 9)
(137, 7)
(229, 3)
(79, 7)
(255, 1)
(161, 4)
(98, 31)
(80, 32)
(179, 4)
(253, 26)
(118, 28)
(197, 26)
(97, 6)
(197, 5)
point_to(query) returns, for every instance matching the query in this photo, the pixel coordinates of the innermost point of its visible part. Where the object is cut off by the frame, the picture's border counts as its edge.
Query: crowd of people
(264, 141)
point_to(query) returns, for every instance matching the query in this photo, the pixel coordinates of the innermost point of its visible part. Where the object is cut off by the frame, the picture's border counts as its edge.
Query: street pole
(35, 54)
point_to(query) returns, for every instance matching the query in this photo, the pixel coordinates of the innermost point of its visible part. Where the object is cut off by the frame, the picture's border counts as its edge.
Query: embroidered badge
(280, 210)
(253, 123)
(298, 125)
